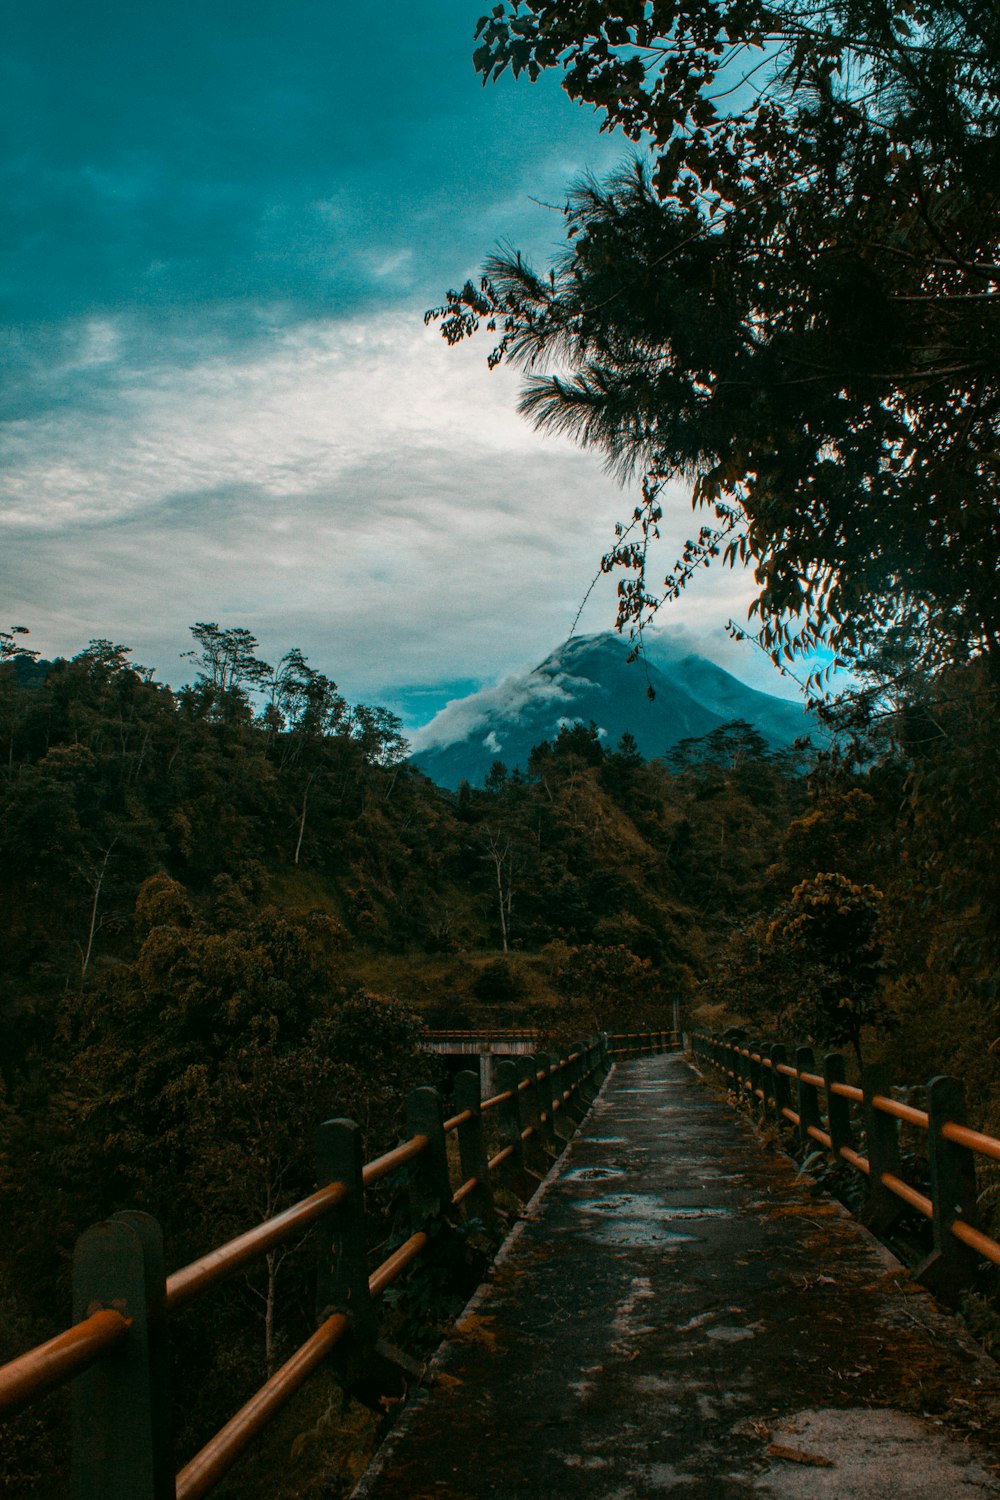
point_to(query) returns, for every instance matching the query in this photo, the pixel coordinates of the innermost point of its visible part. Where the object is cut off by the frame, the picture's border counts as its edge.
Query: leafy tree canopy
(791, 298)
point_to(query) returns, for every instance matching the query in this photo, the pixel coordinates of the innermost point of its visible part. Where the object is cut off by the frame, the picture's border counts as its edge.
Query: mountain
(589, 679)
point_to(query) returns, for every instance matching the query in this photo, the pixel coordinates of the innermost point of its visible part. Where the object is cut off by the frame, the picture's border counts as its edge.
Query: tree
(303, 710)
(612, 986)
(795, 300)
(812, 968)
(230, 667)
(829, 933)
(12, 650)
(499, 855)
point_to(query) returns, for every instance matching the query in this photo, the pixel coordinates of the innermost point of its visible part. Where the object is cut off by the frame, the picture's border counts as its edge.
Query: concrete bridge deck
(678, 1316)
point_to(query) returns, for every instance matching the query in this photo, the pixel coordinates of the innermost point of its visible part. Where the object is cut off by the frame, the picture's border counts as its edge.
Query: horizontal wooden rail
(59, 1359)
(221, 1452)
(900, 1111)
(391, 1269)
(231, 1257)
(461, 1193)
(394, 1159)
(496, 1101)
(859, 1163)
(973, 1140)
(512, 1034)
(976, 1240)
(909, 1195)
(625, 1036)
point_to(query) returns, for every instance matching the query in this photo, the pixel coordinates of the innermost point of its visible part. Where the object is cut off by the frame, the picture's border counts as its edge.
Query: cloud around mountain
(590, 680)
(507, 702)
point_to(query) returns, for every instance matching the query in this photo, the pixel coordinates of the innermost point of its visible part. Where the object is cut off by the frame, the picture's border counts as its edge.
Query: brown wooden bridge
(675, 1297)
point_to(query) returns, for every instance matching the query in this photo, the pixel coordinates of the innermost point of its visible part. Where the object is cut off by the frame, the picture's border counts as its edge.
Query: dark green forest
(229, 909)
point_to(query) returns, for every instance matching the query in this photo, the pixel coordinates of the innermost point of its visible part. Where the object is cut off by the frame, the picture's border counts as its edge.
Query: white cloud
(353, 487)
(508, 699)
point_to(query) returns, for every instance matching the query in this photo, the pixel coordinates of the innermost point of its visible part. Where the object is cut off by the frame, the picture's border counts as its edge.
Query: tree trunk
(503, 917)
(302, 819)
(272, 1271)
(97, 882)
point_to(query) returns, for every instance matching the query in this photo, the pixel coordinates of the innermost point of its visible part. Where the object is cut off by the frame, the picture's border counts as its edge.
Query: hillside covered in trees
(228, 910)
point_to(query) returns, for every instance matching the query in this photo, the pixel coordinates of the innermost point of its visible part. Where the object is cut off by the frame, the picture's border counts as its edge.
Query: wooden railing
(116, 1352)
(821, 1114)
(486, 1033)
(636, 1043)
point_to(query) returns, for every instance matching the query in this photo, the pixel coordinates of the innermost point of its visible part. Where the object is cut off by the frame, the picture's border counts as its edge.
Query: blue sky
(222, 225)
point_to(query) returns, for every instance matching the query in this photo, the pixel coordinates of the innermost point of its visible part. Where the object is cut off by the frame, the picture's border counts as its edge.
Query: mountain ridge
(588, 679)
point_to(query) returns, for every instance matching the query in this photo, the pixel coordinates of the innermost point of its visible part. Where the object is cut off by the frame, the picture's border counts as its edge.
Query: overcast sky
(222, 225)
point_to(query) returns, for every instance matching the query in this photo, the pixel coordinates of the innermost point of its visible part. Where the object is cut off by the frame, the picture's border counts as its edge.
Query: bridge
(678, 1312)
(488, 1047)
(458, 1047)
(679, 1315)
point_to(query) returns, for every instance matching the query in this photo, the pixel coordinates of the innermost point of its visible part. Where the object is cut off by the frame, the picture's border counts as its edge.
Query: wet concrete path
(678, 1316)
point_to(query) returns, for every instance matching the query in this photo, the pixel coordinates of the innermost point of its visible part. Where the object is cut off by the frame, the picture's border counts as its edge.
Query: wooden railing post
(553, 1091)
(780, 1083)
(882, 1146)
(511, 1121)
(342, 1261)
(953, 1188)
(576, 1104)
(592, 1069)
(158, 1335)
(543, 1064)
(527, 1067)
(429, 1179)
(587, 1080)
(471, 1152)
(838, 1109)
(602, 1061)
(808, 1099)
(755, 1070)
(746, 1071)
(767, 1082)
(119, 1444)
(562, 1119)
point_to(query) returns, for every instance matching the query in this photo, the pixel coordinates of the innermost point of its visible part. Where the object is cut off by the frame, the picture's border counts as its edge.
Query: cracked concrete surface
(679, 1317)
